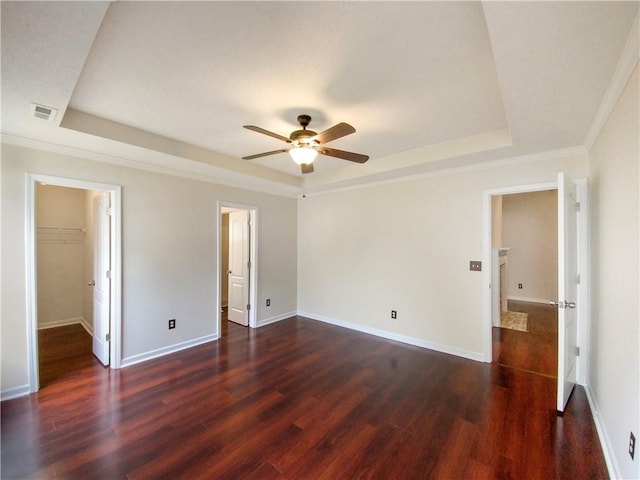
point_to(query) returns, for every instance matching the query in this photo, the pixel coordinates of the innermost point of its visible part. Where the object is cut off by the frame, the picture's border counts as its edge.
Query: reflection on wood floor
(64, 351)
(533, 351)
(300, 399)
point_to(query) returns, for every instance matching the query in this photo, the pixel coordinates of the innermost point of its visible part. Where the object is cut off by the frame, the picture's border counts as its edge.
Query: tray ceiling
(170, 84)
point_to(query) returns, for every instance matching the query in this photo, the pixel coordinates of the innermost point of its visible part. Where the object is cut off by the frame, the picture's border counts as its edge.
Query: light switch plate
(475, 266)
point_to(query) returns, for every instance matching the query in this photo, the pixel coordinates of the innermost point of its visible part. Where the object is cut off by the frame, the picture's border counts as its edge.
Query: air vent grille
(42, 112)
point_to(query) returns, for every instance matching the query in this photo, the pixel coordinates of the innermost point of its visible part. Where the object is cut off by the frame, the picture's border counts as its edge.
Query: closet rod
(64, 229)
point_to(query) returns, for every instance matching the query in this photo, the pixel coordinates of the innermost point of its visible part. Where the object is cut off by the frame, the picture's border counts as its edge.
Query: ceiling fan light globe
(303, 155)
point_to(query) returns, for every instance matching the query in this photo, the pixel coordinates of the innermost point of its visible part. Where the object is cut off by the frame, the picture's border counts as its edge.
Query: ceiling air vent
(42, 113)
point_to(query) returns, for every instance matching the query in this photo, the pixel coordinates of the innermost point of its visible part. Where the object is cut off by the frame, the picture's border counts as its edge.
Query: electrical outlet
(172, 323)
(394, 314)
(520, 286)
(268, 302)
(475, 266)
(632, 445)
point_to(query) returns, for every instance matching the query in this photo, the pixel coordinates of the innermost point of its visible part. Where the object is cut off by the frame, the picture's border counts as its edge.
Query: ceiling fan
(305, 144)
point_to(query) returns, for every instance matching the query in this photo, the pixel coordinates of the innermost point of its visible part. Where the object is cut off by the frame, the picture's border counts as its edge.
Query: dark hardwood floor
(300, 399)
(63, 351)
(534, 351)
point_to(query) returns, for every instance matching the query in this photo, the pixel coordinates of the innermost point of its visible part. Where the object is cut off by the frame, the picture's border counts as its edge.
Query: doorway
(66, 239)
(572, 301)
(73, 227)
(525, 275)
(237, 266)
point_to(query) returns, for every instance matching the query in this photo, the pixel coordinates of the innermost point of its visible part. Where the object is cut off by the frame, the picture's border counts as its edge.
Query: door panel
(567, 289)
(101, 280)
(239, 267)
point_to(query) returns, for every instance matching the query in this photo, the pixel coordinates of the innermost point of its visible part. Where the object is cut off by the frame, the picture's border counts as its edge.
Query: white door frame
(583, 268)
(253, 258)
(115, 316)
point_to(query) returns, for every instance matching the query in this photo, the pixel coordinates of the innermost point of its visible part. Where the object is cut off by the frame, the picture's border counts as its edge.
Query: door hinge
(108, 337)
(248, 306)
(108, 211)
(577, 351)
(578, 278)
(248, 264)
(577, 206)
(107, 274)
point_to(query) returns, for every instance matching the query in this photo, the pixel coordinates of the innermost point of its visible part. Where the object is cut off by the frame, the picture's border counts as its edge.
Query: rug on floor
(514, 321)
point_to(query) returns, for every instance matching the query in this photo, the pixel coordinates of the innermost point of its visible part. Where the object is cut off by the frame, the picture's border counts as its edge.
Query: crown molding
(190, 169)
(475, 167)
(209, 174)
(626, 64)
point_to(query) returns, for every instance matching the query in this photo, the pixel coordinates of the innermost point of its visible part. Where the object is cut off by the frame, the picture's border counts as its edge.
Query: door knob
(564, 304)
(92, 283)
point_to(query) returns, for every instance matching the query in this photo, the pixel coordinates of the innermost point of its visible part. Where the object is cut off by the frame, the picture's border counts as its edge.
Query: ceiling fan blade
(335, 132)
(258, 155)
(352, 157)
(266, 132)
(307, 167)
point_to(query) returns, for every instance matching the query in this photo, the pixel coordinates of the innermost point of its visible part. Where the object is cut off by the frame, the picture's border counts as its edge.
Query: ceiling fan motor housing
(303, 137)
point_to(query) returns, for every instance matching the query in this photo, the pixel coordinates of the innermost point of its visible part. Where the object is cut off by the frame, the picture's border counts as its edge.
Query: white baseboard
(67, 321)
(160, 352)
(605, 443)
(418, 342)
(530, 299)
(277, 318)
(60, 323)
(86, 326)
(15, 392)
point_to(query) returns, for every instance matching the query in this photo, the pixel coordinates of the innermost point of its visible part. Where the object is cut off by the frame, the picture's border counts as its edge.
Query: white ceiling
(168, 85)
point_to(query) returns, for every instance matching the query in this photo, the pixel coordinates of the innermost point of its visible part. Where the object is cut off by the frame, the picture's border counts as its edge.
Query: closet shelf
(60, 235)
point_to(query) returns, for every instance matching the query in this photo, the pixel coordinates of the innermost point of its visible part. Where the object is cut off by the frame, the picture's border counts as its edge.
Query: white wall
(407, 246)
(530, 230)
(169, 254)
(614, 240)
(60, 255)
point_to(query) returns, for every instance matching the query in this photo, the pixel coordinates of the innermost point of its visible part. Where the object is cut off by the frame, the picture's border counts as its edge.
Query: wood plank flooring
(300, 399)
(534, 351)
(63, 351)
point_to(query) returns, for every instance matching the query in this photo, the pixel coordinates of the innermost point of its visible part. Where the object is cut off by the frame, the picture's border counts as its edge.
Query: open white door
(101, 277)
(239, 267)
(567, 289)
